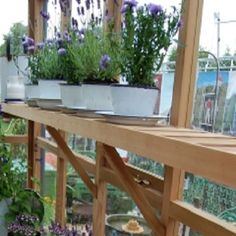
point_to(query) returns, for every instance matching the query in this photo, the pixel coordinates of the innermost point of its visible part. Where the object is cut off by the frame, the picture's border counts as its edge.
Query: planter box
(133, 101)
(31, 91)
(50, 89)
(72, 95)
(97, 96)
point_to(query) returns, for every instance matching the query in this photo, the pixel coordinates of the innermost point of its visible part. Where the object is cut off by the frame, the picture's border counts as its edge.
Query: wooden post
(35, 20)
(33, 155)
(60, 216)
(99, 203)
(66, 17)
(186, 64)
(30, 173)
(181, 112)
(113, 9)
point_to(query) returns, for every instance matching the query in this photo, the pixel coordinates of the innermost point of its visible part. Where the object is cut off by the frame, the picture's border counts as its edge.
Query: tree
(17, 31)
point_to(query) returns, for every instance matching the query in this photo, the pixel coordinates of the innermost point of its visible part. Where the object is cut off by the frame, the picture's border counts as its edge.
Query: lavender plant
(25, 225)
(147, 33)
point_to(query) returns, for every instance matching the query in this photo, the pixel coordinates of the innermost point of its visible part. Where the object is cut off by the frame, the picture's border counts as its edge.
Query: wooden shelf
(192, 150)
(206, 154)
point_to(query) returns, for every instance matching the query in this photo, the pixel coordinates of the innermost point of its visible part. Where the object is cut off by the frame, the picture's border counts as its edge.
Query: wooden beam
(99, 202)
(72, 159)
(47, 145)
(186, 64)
(154, 197)
(60, 211)
(35, 20)
(15, 139)
(134, 190)
(201, 221)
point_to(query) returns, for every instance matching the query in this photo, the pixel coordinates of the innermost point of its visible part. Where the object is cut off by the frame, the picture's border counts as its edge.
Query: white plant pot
(15, 87)
(72, 95)
(3, 210)
(50, 89)
(97, 96)
(133, 101)
(31, 91)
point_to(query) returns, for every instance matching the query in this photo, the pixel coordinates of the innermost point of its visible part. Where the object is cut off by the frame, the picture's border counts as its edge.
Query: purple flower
(27, 41)
(60, 42)
(82, 31)
(124, 9)
(40, 45)
(61, 51)
(131, 3)
(78, 11)
(128, 4)
(82, 10)
(30, 41)
(31, 49)
(104, 62)
(87, 4)
(45, 15)
(155, 9)
(180, 24)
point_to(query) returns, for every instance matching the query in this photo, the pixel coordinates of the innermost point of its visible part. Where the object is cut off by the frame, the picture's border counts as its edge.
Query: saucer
(49, 104)
(153, 120)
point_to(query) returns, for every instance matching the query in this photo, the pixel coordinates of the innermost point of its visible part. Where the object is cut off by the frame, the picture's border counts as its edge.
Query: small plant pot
(72, 95)
(31, 91)
(133, 101)
(3, 210)
(50, 89)
(97, 96)
(15, 87)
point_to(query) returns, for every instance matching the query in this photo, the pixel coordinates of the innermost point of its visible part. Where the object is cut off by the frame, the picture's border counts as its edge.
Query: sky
(208, 39)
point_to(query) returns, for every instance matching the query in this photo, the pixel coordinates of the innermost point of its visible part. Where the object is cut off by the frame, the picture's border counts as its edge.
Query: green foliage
(48, 63)
(11, 175)
(17, 31)
(94, 46)
(44, 64)
(12, 171)
(68, 63)
(213, 198)
(25, 202)
(145, 40)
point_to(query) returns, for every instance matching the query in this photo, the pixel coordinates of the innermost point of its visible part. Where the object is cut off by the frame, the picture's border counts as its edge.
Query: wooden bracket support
(72, 159)
(134, 190)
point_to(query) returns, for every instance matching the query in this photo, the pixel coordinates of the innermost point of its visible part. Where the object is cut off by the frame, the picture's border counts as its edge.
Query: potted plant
(51, 77)
(71, 91)
(99, 68)
(33, 69)
(147, 33)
